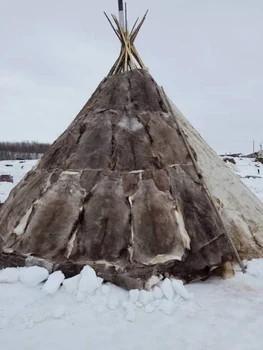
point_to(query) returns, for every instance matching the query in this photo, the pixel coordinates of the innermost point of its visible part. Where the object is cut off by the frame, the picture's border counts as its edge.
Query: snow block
(157, 293)
(33, 276)
(89, 282)
(145, 297)
(180, 289)
(167, 307)
(71, 284)
(167, 289)
(255, 267)
(134, 295)
(9, 275)
(53, 283)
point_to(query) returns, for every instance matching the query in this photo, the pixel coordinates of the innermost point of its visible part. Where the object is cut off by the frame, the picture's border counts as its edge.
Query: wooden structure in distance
(129, 57)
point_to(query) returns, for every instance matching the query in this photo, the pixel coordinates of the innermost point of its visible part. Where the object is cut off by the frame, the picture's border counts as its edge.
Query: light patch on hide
(131, 253)
(107, 264)
(48, 184)
(70, 173)
(163, 258)
(130, 201)
(153, 281)
(165, 115)
(132, 234)
(130, 124)
(135, 124)
(71, 245)
(131, 249)
(8, 250)
(124, 123)
(182, 229)
(20, 229)
(137, 171)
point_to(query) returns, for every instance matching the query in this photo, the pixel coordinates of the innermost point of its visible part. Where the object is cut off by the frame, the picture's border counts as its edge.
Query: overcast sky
(208, 54)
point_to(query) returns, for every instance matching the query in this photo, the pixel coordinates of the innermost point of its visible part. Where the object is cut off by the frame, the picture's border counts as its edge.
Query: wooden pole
(134, 35)
(138, 58)
(112, 26)
(134, 26)
(119, 61)
(129, 57)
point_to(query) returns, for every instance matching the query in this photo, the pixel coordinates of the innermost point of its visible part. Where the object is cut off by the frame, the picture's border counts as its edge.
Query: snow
(71, 284)
(130, 311)
(87, 314)
(9, 275)
(30, 319)
(167, 307)
(105, 289)
(33, 276)
(255, 267)
(149, 308)
(53, 283)
(89, 282)
(131, 316)
(180, 289)
(17, 170)
(145, 297)
(167, 289)
(113, 303)
(157, 292)
(134, 295)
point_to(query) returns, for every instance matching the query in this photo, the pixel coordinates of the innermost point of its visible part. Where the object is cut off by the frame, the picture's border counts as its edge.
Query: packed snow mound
(33, 276)
(87, 285)
(167, 289)
(255, 267)
(9, 275)
(54, 282)
(180, 289)
(71, 284)
(103, 306)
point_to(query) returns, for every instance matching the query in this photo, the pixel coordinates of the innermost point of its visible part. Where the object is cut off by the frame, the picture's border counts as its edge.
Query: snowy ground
(248, 167)
(15, 168)
(220, 313)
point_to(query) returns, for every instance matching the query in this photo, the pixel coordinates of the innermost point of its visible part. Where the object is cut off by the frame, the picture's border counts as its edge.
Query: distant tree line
(22, 150)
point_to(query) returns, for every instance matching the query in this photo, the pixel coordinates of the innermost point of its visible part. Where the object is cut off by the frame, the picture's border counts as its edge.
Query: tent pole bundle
(129, 57)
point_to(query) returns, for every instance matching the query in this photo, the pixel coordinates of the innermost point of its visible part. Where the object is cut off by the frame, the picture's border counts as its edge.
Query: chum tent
(131, 189)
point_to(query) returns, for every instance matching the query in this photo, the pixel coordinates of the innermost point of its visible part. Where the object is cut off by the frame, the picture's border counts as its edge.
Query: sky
(208, 55)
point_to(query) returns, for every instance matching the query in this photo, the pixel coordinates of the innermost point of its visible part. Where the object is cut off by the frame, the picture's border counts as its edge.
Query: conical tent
(120, 191)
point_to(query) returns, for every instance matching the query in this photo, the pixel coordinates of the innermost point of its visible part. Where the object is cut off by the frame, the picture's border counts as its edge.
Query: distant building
(234, 155)
(260, 152)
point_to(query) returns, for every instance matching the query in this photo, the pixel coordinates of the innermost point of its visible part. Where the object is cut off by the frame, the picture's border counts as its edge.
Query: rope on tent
(199, 173)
